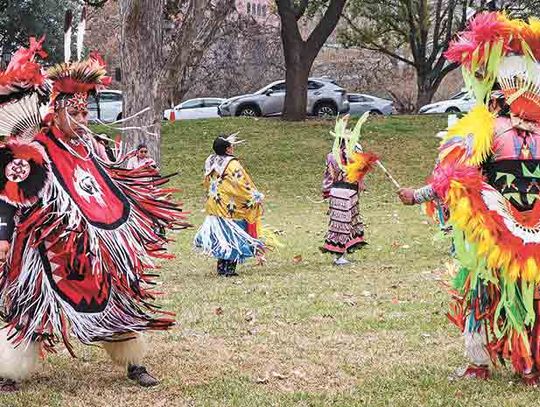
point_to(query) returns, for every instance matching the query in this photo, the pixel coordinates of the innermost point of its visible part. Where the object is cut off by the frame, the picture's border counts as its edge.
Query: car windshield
(109, 97)
(92, 104)
(459, 95)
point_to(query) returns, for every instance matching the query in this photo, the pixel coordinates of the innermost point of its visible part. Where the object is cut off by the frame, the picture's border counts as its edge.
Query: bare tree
(162, 41)
(414, 32)
(299, 53)
(418, 32)
(245, 54)
(517, 8)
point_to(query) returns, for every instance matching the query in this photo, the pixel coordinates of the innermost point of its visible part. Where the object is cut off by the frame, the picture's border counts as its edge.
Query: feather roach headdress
(72, 81)
(497, 48)
(346, 141)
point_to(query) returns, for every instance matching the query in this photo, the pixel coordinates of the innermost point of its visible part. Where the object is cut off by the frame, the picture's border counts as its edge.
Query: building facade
(262, 11)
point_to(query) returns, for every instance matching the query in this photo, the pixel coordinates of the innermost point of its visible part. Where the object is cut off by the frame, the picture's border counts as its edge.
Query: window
(357, 98)
(105, 97)
(248, 9)
(264, 10)
(312, 85)
(92, 104)
(191, 104)
(280, 87)
(212, 102)
(259, 10)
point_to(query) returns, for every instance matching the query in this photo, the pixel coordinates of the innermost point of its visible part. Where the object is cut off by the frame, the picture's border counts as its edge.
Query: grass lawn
(297, 332)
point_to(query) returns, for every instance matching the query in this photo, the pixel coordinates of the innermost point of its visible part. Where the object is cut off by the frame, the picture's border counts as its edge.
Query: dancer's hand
(406, 195)
(4, 249)
(261, 260)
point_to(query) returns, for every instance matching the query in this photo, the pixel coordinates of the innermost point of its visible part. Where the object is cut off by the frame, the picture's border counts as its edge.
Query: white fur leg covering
(475, 347)
(126, 349)
(17, 363)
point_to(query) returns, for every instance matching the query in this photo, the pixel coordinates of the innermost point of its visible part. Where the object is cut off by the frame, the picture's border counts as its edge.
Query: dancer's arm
(411, 196)
(329, 176)
(453, 153)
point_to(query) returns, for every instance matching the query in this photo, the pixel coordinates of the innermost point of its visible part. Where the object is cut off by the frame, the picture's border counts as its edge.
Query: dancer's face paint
(70, 121)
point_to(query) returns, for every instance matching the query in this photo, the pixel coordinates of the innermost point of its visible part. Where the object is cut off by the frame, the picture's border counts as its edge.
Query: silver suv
(325, 98)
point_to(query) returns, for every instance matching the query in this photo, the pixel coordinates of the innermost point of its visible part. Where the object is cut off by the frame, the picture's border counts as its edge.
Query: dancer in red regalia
(77, 231)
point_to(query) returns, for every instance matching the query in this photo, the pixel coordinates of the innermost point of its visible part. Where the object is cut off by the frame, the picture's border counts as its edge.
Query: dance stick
(388, 175)
(386, 172)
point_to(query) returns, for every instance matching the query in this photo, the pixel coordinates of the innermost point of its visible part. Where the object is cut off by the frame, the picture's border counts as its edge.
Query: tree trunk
(300, 54)
(296, 80)
(425, 89)
(141, 57)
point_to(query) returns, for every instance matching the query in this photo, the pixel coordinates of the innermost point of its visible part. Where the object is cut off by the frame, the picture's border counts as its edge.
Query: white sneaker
(341, 261)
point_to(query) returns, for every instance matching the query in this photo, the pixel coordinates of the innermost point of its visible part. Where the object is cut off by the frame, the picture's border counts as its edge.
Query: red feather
(359, 165)
(23, 71)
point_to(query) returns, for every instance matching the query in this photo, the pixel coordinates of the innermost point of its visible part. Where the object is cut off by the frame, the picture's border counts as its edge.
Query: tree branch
(325, 27)
(95, 3)
(373, 46)
(438, 21)
(290, 33)
(385, 51)
(301, 9)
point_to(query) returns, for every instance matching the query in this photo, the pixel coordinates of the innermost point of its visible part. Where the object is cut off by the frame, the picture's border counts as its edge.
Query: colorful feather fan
(360, 163)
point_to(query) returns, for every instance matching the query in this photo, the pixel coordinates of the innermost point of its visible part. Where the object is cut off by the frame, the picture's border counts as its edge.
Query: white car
(201, 108)
(109, 108)
(460, 102)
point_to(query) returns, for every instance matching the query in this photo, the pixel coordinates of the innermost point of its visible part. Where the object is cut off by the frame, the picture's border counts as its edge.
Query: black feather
(68, 20)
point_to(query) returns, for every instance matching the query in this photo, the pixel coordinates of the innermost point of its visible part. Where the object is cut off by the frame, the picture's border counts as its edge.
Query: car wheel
(324, 110)
(376, 112)
(249, 111)
(453, 110)
(119, 117)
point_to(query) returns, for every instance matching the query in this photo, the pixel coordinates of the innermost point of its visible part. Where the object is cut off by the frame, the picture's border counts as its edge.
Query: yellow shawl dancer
(234, 210)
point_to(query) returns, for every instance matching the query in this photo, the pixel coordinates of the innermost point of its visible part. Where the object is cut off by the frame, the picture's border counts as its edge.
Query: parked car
(324, 98)
(109, 109)
(360, 103)
(201, 108)
(460, 102)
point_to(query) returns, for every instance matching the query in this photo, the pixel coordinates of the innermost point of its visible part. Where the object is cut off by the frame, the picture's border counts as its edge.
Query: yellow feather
(534, 25)
(480, 124)
(494, 258)
(513, 272)
(530, 270)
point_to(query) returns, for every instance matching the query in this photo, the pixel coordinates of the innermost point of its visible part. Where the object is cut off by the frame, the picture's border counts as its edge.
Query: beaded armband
(424, 194)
